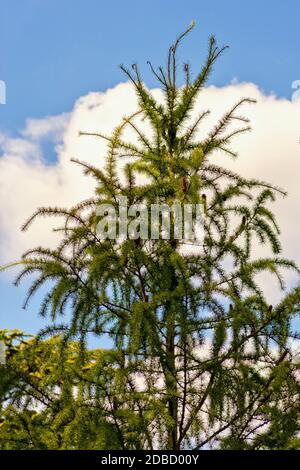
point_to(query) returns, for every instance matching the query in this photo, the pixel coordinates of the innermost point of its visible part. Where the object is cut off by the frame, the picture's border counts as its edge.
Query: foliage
(201, 359)
(44, 402)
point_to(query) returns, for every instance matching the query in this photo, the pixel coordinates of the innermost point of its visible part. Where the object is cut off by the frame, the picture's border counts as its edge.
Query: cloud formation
(270, 152)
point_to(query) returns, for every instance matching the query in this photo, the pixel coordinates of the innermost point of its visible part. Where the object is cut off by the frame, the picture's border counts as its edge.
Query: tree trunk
(170, 372)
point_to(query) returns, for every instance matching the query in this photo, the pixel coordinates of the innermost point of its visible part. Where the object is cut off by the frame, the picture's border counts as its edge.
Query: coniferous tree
(200, 359)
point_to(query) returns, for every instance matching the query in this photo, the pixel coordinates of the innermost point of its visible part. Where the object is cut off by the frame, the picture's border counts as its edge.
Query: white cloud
(50, 126)
(271, 152)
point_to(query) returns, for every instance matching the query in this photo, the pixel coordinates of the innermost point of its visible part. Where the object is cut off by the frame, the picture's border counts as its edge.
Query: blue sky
(54, 51)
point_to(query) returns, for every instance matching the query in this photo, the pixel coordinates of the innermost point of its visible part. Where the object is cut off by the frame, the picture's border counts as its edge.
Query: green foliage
(47, 398)
(200, 357)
